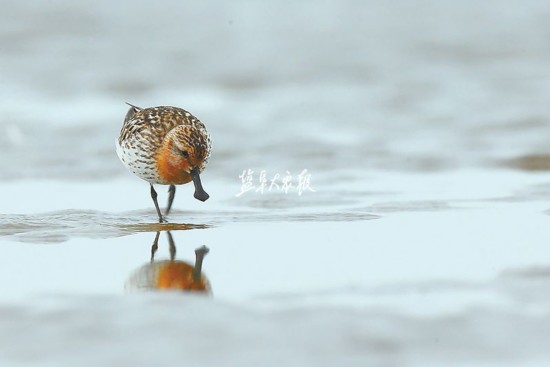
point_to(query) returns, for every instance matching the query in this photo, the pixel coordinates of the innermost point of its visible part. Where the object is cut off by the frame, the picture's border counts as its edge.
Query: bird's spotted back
(154, 123)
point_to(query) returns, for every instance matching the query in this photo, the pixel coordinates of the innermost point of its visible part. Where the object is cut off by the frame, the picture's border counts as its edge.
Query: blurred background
(423, 85)
(423, 124)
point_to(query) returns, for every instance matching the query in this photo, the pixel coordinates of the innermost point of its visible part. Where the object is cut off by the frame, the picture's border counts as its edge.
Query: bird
(164, 145)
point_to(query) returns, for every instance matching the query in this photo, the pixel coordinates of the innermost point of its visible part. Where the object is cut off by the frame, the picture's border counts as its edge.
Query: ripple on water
(409, 206)
(59, 226)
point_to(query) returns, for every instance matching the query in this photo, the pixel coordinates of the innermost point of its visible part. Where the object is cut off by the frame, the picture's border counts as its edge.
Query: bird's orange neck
(172, 168)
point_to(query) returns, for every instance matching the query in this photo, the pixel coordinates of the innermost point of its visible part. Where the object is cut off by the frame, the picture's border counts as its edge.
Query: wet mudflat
(402, 277)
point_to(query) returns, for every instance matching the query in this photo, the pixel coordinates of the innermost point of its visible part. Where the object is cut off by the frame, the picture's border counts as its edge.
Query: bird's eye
(185, 153)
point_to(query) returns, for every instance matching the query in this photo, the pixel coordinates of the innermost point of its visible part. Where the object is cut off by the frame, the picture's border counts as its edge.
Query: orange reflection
(171, 274)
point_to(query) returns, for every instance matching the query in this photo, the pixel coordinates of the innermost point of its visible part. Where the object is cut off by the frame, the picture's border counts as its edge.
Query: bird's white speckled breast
(140, 164)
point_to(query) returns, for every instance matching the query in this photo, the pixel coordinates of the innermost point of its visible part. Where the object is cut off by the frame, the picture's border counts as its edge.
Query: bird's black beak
(200, 194)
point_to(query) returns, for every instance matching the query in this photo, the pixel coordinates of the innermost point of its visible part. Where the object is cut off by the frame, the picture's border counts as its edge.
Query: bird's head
(186, 156)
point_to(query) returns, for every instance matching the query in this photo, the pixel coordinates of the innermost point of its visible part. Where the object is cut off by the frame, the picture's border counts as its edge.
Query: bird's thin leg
(171, 195)
(155, 246)
(172, 246)
(154, 196)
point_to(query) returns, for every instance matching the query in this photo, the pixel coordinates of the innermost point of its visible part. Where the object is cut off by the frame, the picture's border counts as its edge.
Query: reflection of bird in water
(167, 146)
(170, 274)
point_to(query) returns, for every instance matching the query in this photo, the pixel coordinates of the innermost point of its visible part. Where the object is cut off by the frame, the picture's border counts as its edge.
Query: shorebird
(164, 145)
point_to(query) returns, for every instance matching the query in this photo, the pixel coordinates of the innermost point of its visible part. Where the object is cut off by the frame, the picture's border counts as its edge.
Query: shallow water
(423, 125)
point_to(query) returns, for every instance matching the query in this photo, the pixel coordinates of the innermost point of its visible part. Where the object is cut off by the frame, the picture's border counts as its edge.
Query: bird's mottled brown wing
(152, 124)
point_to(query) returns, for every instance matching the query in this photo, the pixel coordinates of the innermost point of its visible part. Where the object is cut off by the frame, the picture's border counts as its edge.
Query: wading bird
(166, 146)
